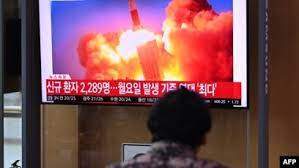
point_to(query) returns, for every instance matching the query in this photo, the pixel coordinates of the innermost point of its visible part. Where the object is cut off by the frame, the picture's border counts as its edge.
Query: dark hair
(181, 116)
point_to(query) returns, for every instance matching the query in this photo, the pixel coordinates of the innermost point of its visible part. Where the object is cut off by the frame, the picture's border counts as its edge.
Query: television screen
(132, 52)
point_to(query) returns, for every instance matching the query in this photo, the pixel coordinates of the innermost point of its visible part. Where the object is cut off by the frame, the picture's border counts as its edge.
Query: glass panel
(12, 129)
(13, 102)
(12, 141)
(12, 78)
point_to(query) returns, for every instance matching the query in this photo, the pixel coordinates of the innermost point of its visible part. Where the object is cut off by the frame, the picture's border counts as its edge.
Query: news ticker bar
(221, 90)
(67, 99)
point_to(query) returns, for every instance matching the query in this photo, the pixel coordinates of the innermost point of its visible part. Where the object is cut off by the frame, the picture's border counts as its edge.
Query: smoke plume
(196, 45)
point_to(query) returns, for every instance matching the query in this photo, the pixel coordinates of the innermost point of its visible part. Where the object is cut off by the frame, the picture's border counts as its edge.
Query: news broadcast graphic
(289, 161)
(135, 51)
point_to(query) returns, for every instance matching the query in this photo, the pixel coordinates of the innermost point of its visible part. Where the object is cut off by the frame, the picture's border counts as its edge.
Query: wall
(59, 136)
(104, 129)
(284, 79)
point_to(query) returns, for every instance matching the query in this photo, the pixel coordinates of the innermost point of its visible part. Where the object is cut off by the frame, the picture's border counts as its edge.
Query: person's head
(181, 116)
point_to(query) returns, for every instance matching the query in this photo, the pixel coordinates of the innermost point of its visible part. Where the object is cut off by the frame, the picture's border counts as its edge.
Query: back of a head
(181, 116)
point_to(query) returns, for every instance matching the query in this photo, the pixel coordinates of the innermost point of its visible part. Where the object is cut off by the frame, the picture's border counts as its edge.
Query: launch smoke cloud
(196, 44)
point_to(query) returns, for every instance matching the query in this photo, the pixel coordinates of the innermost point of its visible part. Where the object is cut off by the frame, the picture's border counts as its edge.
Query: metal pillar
(31, 145)
(1, 86)
(263, 84)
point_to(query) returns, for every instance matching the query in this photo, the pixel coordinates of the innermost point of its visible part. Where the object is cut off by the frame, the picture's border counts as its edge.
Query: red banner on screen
(225, 90)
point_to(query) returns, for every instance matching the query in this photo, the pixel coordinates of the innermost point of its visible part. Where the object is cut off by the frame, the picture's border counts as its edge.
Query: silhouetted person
(179, 123)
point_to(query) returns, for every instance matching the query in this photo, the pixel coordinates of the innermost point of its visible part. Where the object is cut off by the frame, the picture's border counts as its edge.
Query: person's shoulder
(203, 163)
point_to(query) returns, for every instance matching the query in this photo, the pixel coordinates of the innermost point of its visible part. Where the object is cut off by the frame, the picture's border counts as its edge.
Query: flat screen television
(131, 52)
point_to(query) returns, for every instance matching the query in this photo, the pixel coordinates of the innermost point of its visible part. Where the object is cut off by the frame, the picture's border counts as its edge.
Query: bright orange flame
(122, 61)
(107, 50)
(168, 27)
(130, 40)
(173, 74)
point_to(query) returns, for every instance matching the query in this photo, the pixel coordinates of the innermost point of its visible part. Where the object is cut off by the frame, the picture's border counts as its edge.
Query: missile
(148, 53)
(134, 14)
